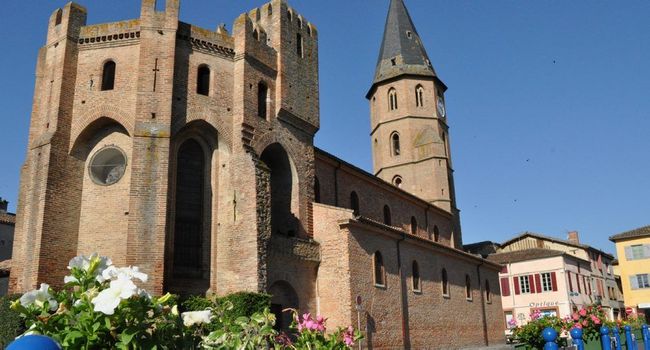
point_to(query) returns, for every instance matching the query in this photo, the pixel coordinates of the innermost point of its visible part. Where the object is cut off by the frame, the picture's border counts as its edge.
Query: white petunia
(68, 279)
(84, 263)
(38, 297)
(107, 300)
(191, 318)
(112, 272)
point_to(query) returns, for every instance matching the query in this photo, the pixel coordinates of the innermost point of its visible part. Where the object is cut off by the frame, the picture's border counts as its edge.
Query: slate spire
(402, 51)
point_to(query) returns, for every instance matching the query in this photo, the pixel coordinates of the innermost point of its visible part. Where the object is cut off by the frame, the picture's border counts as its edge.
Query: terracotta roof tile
(527, 254)
(637, 232)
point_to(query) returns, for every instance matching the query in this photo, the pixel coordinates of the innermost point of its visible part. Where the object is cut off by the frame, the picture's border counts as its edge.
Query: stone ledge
(302, 249)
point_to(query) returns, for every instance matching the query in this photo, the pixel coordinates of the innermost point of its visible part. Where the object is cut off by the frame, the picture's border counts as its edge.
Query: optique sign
(545, 304)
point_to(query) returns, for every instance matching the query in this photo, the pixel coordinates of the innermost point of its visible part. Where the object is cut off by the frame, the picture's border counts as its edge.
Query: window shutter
(628, 253)
(538, 283)
(634, 283)
(515, 281)
(646, 251)
(505, 287)
(578, 283)
(568, 275)
(531, 283)
(554, 281)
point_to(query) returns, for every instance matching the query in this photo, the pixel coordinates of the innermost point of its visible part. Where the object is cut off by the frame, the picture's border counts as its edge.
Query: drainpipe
(403, 297)
(483, 301)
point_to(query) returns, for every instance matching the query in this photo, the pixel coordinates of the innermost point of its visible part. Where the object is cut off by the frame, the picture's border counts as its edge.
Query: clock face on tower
(442, 112)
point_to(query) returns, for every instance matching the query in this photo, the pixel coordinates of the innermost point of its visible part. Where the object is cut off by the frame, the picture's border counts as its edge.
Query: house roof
(8, 219)
(527, 254)
(637, 232)
(556, 240)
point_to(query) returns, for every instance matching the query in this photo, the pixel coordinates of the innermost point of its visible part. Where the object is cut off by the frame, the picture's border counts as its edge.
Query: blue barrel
(32, 342)
(550, 336)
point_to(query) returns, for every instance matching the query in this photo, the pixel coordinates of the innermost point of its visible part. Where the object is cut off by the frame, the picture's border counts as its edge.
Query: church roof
(636, 233)
(402, 51)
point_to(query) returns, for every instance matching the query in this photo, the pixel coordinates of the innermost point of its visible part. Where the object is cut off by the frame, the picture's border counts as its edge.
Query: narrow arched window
(395, 144)
(354, 203)
(392, 99)
(414, 225)
(488, 294)
(262, 97)
(270, 10)
(419, 96)
(316, 190)
(387, 217)
(256, 35)
(379, 271)
(436, 233)
(299, 22)
(108, 76)
(468, 288)
(59, 17)
(203, 80)
(415, 277)
(445, 283)
(290, 15)
(299, 48)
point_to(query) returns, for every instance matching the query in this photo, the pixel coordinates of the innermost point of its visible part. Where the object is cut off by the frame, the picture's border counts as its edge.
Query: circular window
(107, 166)
(397, 181)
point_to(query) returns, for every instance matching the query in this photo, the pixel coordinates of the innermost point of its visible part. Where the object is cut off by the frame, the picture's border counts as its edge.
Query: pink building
(553, 281)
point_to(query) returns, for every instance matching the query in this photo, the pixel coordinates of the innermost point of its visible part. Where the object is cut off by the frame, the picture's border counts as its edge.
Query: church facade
(189, 153)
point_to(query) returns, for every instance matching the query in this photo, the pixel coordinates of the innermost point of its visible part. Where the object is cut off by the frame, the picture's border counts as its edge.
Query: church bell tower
(410, 133)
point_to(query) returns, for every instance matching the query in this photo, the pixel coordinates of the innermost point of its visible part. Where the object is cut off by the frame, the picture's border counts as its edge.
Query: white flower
(175, 310)
(196, 317)
(39, 297)
(107, 300)
(112, 272)
(99, 263)
(68, 279)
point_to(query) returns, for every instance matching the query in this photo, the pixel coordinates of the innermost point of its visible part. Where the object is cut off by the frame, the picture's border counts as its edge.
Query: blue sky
(548, 101)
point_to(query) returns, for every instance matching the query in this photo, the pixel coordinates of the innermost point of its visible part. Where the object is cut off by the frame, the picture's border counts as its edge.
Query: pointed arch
(395, 144)
(284, 190)
(419, 96)
(392, 99)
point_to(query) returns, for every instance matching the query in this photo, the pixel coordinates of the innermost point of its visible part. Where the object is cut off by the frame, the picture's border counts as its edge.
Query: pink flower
(595, 319)
(583, 312)
(348, 336)
(578, 325)
(310, 324)
(585, 323)
(575, 316)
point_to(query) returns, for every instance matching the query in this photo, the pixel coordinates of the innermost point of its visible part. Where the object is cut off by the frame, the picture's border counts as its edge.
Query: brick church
(189, 153)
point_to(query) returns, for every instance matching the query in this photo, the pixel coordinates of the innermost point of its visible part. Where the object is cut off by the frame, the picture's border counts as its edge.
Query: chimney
(574, 237)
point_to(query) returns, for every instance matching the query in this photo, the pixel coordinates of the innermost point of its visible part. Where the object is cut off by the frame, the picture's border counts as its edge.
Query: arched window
(379, 271)
(262, 97)
(488, 294)
(395, 146)
(203, 80)
(309, 30)
(392, 99)
(256, 35)
(397, 181)
(59, 17)
(270, 10)
(468, 288)
(299, 22)
(290, 15)
(316, 190)
(387, 216)
(414, 226)
(445, 282)
(415, 277)
(299, 49)
(354, 203)
(436, 233)
(189, 220)
(419, 96)
(108, 76)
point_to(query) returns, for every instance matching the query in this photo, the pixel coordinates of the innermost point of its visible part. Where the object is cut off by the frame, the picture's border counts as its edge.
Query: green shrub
(11, 324)
(245, 304)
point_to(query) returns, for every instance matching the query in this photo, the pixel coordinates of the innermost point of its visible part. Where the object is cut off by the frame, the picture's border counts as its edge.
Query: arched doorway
(283, 191)
(283, 296)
